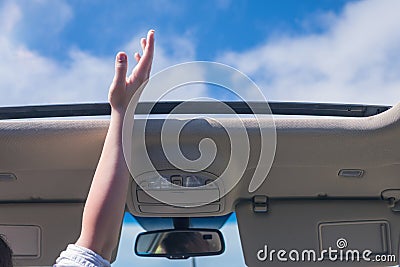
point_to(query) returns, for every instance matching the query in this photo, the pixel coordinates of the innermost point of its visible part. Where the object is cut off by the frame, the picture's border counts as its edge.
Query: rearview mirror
(180, 244)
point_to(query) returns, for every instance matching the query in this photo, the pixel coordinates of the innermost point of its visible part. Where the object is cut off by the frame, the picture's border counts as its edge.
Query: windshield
(337, 51)
(232, 256)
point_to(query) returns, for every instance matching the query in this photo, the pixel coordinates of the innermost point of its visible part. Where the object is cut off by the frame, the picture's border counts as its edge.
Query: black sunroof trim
(277, 108)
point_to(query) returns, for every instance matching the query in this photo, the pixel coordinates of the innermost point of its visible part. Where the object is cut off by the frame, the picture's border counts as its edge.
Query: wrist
(117, 118)
(118, 112)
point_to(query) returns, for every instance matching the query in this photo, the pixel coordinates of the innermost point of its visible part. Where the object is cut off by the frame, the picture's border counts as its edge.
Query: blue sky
(310, 50)
(213, 26)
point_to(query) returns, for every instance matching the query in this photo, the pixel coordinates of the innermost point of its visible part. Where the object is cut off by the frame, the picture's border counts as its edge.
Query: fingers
(121, 67)
(143, 42)
(149, 47)
(148, 52)
(137, 57)
(142, 69)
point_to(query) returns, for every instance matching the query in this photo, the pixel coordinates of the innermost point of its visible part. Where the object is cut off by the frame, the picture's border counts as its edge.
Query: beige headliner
(54, 162)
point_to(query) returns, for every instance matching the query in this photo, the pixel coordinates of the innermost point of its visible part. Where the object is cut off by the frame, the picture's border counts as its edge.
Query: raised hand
(105, 204)
(122, 88)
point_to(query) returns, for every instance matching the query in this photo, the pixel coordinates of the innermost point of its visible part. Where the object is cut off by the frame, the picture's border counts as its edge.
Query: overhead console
(175, 193)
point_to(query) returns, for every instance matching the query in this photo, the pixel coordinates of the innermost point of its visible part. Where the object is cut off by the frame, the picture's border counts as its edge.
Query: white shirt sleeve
(77, 256)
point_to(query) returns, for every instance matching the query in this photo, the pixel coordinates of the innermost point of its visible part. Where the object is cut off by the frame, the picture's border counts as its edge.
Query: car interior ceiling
(309, 198)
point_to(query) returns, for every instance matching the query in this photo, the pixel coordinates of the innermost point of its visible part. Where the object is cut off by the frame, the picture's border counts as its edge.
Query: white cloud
(356, 59)
(27, 77)
(10, 15)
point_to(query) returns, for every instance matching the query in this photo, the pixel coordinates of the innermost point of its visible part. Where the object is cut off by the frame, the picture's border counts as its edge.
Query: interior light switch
(177, 180)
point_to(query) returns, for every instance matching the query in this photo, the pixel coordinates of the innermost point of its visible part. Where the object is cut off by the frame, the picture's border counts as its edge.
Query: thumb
(121, 67)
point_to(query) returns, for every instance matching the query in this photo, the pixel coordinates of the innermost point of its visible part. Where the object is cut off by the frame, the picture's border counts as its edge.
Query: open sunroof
(201, 107)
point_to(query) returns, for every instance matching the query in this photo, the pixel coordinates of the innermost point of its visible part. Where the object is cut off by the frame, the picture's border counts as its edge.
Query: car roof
(47, 166)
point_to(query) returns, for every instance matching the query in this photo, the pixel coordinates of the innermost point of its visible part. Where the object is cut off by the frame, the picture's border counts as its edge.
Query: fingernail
(121, 57)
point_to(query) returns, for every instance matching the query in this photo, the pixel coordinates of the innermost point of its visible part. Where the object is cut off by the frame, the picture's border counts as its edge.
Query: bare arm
(105, 205)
